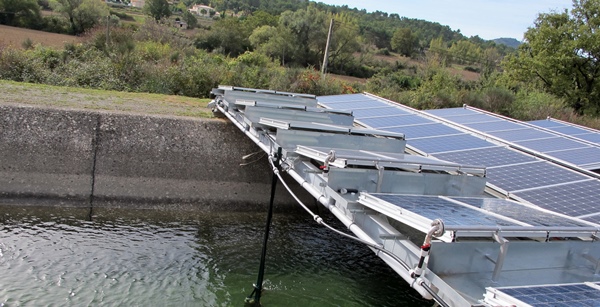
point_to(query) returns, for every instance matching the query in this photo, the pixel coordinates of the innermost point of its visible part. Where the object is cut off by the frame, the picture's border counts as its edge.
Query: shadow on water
(56, 256)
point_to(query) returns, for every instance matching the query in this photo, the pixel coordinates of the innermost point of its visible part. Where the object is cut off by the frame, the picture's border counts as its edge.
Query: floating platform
(469, 207)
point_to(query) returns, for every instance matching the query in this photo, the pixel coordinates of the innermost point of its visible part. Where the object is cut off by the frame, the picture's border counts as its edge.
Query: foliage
(82, 14)
(404, 41)
(157, 9)
(562, 56)
(190, 19)
(20, 13)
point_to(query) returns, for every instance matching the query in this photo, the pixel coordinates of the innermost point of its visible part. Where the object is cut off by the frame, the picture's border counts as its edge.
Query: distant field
(14, 37)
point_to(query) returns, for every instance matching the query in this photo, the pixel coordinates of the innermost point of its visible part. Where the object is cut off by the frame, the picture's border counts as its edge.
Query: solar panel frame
(342, 98)
(570, 130)
(590, 137)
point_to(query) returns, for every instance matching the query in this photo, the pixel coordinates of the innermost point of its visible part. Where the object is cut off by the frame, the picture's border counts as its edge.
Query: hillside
(510, 42)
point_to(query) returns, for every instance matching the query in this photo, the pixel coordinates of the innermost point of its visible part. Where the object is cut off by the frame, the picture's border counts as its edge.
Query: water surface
(57, 257)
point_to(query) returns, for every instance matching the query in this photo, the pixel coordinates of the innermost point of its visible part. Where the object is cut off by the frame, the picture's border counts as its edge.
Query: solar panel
(495, 126)
(552, 144)
(519, 212)
(449, 143)
(354, 105)
(555, 295)
(424, 130)
(594, 219)
(393, 121)
(590, 137)
(380, 111)
(451, 112)
(568, 130)
(581, 156)
(472, 118)
(433, 207)
(521, 134)
(544, 123)
(530, 175)
(342, 98)
(489, 157)
(574, 199)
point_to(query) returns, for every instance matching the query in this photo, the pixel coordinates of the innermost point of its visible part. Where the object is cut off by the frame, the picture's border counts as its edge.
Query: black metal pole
(254, 297)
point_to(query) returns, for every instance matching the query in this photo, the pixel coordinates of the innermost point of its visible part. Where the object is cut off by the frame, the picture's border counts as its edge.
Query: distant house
(202, 10)
(138, 3)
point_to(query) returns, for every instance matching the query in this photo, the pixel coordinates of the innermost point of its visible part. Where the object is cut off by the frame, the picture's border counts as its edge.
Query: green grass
(91, 99)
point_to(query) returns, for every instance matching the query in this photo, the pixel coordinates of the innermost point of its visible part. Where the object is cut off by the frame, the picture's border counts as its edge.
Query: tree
(82, 14)
(157, 9)
(561, 54)
(190, 19)
(404, 41)
(21, 13)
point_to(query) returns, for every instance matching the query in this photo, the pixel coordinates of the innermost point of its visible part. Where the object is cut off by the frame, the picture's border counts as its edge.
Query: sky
(489, 19)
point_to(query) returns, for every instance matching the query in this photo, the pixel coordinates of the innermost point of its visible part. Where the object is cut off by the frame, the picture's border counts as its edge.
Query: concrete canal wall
(64, 157)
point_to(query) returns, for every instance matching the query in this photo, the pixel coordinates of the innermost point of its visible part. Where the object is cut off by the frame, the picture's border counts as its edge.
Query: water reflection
(54, 256)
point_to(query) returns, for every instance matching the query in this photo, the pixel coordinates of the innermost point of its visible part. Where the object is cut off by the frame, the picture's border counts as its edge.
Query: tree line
(555, 71)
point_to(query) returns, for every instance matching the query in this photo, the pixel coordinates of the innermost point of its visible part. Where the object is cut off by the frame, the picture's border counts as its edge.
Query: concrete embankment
(80, 157)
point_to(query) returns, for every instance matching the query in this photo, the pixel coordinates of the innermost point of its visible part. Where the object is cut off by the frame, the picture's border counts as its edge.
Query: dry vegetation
(16, 93)
(14, 37)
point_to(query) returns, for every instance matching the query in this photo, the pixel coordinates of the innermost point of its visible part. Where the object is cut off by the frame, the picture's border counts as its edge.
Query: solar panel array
(586, 134)
(570, 144)
(514, 173)
(555, 295)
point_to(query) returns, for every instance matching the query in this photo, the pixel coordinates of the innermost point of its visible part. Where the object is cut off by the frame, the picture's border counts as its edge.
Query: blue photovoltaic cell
(568, 130)
(556, 296)
(590, 137)
(473, 118)
(495, 126)
(448, 143)
(433, 207)
(451, 112)
(552, 144)
(343, 98)
(520, 212)
(574, 199)
(425, 130)
(353, 105)
(544, 123)
(579, 156)
(530, 175)
(393, 121)
(489, 157)
(521, 134)
(382, 111)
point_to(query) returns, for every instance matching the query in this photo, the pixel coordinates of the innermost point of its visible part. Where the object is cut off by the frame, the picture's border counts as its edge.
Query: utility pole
(325, 58)
(107, 31)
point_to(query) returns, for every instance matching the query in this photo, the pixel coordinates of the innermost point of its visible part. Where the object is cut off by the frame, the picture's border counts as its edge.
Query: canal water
(57, 257)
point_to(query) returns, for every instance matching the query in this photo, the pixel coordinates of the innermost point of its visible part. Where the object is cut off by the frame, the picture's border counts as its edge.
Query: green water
(57, 257)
